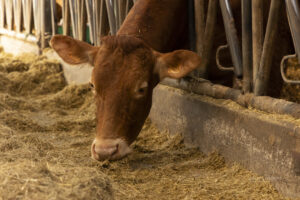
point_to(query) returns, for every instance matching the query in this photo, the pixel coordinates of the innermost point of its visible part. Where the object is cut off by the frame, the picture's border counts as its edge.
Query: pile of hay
(46, 129)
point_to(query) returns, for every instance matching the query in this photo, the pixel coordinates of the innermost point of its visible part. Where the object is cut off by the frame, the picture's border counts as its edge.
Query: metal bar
(27, 15)
(53, 13)
(129, 4)
(66, 17)
(2, 13)
(232, 38)
(220, 67)
(199, 25)
(37, 18)
(104, 24)
(263, 76)
(73, 9)
(191, 26)
(91, 19)
(17, 5)
(83, 20)
(117, 13)
(111, 17)
(43, 27)
(247, 46)
(122, 11)
(9, 14)
(293, 14)
(97, 13)
(209, 34)
(257, 35)
(282, 69)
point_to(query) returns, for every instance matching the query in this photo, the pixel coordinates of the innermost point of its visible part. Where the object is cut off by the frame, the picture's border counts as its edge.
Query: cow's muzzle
(109, 149)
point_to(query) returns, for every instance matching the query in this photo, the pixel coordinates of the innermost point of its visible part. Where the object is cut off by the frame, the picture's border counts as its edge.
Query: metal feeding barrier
(232, 39)
(36, 21)
(292, 8)
(89, 20)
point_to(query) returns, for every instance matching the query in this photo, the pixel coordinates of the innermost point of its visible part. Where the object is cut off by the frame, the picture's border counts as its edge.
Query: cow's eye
(91, 85)
(141, 91)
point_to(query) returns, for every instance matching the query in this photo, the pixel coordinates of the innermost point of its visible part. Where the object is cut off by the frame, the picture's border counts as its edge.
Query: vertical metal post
(90, 9)
(247, 45)
(232, 38)
(83, 19)
(257, 35)
(53, 13)
(263, 76)
(27, 15)
(2, 13)
(122, 11)
(111, 17)
(43, 28)
(104, 24)
(199, 25)
(191, 25)
(66, 17)
(293, 13)
(209, 34)
(17, 14)
(117, 14)
(97, 13)
(9, 14)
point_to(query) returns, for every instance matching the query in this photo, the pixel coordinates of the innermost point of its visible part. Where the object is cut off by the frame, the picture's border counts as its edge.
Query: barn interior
(231, 133)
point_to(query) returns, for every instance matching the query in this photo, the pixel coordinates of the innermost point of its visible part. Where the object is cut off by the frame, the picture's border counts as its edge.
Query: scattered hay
(46, 129)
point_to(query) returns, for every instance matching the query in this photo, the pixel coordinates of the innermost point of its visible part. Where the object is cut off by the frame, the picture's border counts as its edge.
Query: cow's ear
(73, 51)
(176, 64)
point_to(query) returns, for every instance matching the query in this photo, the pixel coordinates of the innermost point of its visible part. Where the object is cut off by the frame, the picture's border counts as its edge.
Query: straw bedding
(46, 129)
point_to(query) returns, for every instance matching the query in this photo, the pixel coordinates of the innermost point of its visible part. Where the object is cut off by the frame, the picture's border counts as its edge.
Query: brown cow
(128, 66)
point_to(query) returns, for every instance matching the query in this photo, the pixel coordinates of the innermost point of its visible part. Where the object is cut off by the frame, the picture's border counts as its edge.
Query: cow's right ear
(73, 51)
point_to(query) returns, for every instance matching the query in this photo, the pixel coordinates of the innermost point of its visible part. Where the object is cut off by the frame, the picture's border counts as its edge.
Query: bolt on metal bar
(247, 45)
(263, 74)
(232, 38)
(257, 34)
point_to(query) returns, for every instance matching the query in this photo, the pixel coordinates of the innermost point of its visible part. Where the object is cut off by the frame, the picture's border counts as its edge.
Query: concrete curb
(268, 144)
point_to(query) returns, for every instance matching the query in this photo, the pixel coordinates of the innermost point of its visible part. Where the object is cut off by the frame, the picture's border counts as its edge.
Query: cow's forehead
(116, 67)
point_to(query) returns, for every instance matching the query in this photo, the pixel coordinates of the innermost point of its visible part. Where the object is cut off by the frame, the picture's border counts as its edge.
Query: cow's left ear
(176, 64)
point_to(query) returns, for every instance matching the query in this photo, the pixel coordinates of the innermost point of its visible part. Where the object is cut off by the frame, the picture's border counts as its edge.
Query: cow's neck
(162, 24)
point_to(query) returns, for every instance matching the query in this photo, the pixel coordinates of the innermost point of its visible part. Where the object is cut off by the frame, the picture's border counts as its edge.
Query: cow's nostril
(94, 153)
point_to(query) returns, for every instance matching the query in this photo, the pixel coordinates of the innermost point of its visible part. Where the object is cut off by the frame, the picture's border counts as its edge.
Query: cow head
(125, 72)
